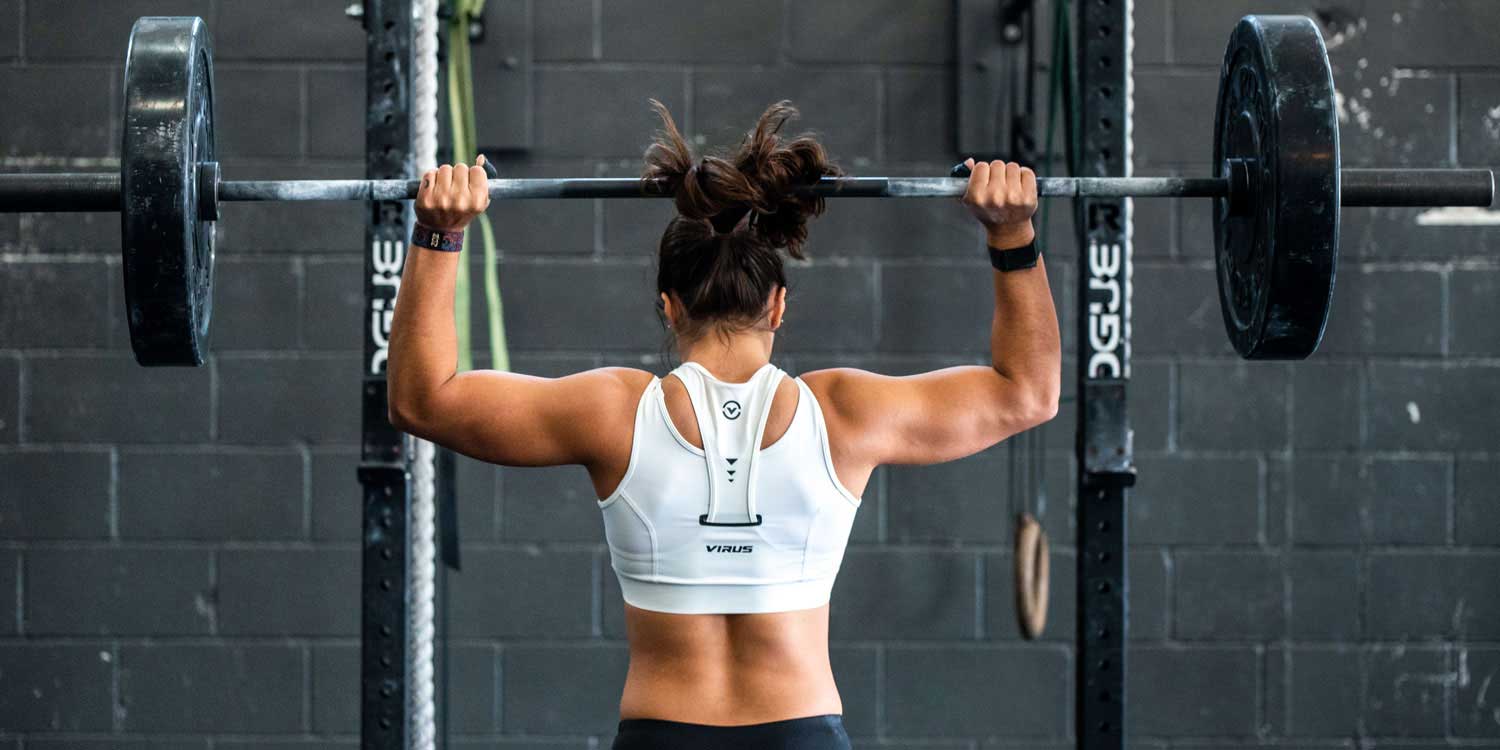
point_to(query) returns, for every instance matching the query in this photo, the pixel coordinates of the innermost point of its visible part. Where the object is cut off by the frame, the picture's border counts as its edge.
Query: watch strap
(1014, 259)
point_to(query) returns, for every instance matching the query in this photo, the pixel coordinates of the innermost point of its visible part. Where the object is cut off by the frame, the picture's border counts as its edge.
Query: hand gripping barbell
(1277, 187)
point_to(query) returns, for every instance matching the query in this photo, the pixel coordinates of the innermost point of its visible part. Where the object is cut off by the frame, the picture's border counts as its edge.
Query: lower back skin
(728, 669)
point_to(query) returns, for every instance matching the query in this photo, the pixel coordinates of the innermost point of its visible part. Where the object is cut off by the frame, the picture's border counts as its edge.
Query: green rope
(1030, 447)
(465, 145)
(1061, 83)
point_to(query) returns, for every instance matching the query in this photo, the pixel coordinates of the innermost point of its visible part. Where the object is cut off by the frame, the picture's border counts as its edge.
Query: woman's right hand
(452, 195)
(1003, 197)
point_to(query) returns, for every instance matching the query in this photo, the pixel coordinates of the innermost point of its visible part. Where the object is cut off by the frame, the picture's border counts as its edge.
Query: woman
(728, 487)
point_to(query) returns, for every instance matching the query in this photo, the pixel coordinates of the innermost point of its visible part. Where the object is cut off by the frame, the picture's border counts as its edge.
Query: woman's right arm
(951, 413)
(501, 417)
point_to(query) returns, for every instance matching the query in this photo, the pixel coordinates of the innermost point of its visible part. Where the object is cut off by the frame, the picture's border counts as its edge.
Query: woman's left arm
(503, 418)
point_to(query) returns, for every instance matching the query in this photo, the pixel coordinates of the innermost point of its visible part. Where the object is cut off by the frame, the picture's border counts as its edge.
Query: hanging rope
(422, 709)
(1027, 465)
(1129, 245)
(465, 148)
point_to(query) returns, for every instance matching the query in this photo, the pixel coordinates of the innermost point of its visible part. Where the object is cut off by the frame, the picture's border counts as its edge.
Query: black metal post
(384, 468)
(1105, 455)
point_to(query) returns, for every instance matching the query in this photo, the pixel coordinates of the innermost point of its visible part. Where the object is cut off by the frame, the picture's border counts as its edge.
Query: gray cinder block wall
(1315, 560)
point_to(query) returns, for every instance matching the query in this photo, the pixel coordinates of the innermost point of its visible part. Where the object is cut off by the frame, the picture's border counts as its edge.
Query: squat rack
(385, 453)
(1103, 446)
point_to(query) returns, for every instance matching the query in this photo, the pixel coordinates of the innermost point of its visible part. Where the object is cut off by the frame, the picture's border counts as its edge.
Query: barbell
(1277, 186)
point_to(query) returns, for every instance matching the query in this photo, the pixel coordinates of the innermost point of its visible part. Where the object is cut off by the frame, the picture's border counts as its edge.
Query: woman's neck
(733, 358)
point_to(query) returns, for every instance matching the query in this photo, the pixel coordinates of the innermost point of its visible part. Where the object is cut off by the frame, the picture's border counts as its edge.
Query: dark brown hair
(720, 257)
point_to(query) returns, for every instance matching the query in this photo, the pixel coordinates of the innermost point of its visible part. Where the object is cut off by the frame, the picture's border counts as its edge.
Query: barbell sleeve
(1361, 187)
(49, 193)
(1417, 187)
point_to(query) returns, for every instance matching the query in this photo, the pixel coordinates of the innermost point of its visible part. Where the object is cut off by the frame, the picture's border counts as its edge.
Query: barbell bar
(1360, 188)
(1277, 186)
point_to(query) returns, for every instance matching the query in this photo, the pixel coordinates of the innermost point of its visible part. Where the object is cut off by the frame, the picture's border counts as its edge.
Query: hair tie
(732, 218)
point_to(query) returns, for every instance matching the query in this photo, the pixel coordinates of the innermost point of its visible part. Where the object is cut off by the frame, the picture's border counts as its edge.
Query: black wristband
(434, 239)
(1014, 259)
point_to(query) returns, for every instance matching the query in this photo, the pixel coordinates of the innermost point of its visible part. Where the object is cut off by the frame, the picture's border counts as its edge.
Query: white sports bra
(729, 528)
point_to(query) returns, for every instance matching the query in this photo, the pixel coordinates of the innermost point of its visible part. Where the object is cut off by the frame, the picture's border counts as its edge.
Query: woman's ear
(778, 307)
(668, 310)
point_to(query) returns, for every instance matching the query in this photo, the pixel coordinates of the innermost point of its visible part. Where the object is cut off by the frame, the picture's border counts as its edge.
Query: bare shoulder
(849, 397)
(588, 401)
(628, 378)
(843, 389)
(599, 408)
(622, 385)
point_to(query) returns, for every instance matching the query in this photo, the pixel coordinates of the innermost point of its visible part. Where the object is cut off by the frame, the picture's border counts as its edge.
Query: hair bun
(701, 188)
(780, 170)
(764, 175)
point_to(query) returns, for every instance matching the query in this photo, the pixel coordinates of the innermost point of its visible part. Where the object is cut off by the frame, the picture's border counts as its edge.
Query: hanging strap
(732, 422)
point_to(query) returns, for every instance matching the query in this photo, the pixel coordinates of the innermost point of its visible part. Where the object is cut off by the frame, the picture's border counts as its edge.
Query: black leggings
(811, 733)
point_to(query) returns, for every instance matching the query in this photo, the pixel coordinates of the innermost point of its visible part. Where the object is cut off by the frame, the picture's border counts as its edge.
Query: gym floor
(1315, 555)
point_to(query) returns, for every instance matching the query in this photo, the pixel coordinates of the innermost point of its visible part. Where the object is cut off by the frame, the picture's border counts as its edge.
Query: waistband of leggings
(823, 720)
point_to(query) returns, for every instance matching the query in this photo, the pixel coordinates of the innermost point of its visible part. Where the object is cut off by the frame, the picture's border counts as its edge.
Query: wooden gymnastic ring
(1033, 570)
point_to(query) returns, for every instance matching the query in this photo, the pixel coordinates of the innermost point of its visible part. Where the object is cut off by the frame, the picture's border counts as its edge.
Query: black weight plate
(169, 249)
(1276, 257)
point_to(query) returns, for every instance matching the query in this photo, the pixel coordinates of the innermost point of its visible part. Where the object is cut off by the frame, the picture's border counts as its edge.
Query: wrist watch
(1014, 259)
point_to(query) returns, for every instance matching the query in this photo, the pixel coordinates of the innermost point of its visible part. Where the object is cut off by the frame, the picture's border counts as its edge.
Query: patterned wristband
(434, 239)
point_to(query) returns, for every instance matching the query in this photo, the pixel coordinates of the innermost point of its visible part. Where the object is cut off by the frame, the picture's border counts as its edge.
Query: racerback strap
(732, 421)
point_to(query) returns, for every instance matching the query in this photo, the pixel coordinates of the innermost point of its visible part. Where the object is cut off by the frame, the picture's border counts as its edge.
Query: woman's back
(726, 594)
(728, 669)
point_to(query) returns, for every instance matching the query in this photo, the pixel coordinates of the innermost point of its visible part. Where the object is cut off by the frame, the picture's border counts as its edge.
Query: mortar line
(979, 597)
(23, 388)
(113, 494)
(19, 561)
(598, 30)
(1451, 501)
(1455, 88)
(117, 701)
(307, 687)
(304, 451)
